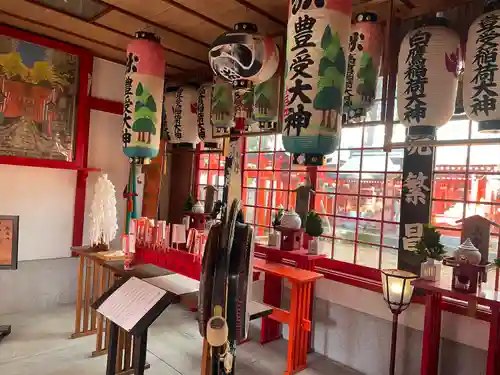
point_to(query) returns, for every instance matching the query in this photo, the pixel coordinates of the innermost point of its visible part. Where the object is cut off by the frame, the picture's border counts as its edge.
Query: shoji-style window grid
(210, 171)
(466, 183)
(269, 181)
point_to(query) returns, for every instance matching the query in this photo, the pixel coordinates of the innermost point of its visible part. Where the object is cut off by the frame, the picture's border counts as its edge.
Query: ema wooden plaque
(9, 226)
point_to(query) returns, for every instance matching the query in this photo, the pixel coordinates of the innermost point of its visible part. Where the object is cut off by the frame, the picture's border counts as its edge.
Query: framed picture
(9, 237)
(44, 106)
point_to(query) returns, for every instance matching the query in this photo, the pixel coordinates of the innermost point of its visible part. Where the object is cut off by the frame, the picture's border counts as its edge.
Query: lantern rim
(491, 5)
(246, 27)
(397, 273)
(361, 17)
(147, 35)
(436, 20)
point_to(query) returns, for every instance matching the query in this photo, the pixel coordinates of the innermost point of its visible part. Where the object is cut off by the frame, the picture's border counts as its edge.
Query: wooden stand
(138, 332)
(291, 239)
(197, 220)
(466, 277)
(298, 317)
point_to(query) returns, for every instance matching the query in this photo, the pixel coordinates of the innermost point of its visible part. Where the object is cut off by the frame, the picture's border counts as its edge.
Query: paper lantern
(428, 66)
(142, 114)
(243, 57)
(205, 127)
(363, 64)
(481, 75)
(318, 40)
(243, 108)
(266, 103)
(182, 124)
(222, 109)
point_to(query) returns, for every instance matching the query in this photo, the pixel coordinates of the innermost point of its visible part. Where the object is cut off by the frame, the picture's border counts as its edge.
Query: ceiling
(186, 27)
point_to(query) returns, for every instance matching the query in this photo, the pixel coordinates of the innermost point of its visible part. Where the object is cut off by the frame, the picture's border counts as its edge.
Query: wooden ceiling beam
(260, 11)
(113, 30)
(152, 23)
(198, 15)
(433, 7)
(110, 29)
(91, 40)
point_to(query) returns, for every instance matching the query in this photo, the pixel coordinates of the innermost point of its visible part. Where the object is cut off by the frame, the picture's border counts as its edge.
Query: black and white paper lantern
(205, 126)
(182, 118)
(428, 67)
(481, 76)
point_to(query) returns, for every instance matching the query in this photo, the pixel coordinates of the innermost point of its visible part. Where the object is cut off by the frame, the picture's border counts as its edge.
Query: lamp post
(397, 290)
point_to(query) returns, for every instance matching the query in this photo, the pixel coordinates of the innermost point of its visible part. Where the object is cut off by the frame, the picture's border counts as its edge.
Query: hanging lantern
(318, 40)
(363, 67)
(222, 109)
(481, 75)
(244, 57)
(266, 103)
(144, 79)
(427, 82)
(205, 127)
(243, 106)
(182, 118)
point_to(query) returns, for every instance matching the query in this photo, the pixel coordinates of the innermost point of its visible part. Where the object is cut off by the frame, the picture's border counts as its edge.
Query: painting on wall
(9, 231)
(38, 90)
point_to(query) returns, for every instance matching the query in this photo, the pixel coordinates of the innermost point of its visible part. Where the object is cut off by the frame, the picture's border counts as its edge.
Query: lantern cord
(130, 195)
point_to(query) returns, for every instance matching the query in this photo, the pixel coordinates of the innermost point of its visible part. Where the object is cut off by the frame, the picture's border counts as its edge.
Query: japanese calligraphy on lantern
(318, 33)
(416, 77)
(178, 114)
(142, 107)
(485, 66)
(413, 234)
(200, 108)
(365, 52)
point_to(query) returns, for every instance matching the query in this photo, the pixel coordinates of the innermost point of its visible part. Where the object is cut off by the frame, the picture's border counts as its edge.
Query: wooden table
(271, 329)
(298, 317)
(432, 323)
(92, 281)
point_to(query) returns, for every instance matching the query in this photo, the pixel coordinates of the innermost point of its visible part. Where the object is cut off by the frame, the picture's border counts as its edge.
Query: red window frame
(211, 163)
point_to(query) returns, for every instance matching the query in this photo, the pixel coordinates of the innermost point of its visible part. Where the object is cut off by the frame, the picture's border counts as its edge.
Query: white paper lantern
(317, 45)
(205, 126)
(182, 119)
(481, 76)
(428, 66)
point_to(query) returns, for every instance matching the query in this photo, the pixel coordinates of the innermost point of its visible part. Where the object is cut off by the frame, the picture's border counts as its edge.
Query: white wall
(44, 200)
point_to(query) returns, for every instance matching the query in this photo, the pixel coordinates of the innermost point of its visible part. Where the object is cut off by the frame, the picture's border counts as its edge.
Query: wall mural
(38, 87)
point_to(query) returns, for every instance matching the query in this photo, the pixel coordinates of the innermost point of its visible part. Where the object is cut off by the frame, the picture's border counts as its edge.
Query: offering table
(435, 291)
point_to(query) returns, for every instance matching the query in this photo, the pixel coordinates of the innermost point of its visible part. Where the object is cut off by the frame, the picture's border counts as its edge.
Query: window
(210, 172)
(358, 189)
(358, 193)
(269, 179)
(466, 183)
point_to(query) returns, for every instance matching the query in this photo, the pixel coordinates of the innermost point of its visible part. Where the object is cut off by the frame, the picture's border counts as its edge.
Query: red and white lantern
(363, 64)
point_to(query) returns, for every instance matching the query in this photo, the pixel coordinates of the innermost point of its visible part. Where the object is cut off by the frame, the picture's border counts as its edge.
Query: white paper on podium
(130, 302)
(175, 283)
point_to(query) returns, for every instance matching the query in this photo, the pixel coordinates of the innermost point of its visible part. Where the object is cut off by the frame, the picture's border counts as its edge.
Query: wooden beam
(152, 23)
(199, 15)
(260, 11)
(110, 29)
(91, 40)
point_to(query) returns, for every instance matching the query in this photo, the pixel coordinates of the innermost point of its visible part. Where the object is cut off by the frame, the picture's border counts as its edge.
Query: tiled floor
(39, 345)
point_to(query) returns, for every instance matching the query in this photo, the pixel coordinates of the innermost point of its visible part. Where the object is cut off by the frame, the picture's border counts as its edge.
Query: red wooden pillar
(432, 335)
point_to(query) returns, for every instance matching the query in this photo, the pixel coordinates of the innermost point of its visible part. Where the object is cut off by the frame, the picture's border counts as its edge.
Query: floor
(39, 345)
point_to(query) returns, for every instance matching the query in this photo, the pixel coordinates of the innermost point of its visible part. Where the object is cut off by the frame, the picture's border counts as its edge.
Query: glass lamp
(397, 289)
